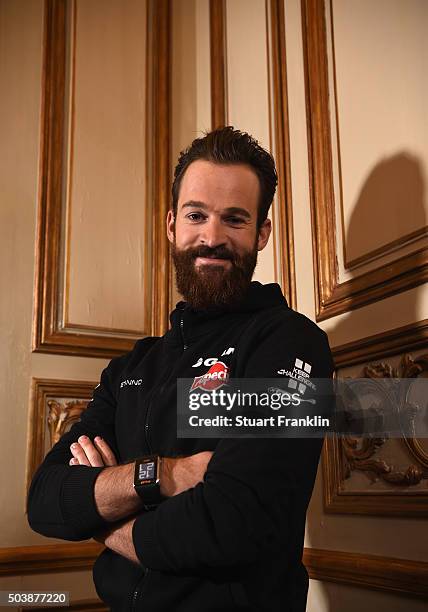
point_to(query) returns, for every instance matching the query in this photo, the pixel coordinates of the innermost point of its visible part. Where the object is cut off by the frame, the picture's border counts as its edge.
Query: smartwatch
(146, 480)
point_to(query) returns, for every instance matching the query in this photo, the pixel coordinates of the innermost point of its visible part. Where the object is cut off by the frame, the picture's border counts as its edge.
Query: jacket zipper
(146, 428)
(182, 333)
(146, 434)
(138, 590)
(146, 422)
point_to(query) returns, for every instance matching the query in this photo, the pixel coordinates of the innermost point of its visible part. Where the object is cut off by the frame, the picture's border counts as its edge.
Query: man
(226, 529)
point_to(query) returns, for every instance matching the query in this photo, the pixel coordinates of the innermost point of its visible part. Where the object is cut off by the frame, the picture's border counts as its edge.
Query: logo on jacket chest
(131, 382)
(216, 377)
(209, 361)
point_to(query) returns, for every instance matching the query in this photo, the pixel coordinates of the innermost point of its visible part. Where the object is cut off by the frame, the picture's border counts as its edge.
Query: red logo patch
(217, 375)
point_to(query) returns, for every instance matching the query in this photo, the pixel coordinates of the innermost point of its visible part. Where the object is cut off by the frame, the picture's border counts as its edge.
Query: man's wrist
(114, 493)
(119, 539)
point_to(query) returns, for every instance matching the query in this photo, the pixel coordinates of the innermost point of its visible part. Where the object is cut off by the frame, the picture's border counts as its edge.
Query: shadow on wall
(391, 204)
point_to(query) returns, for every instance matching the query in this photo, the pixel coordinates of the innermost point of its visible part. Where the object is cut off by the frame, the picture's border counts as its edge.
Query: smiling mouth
(212, 261)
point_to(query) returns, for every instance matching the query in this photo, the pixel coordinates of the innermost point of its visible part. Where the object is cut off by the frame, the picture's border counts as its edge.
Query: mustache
(213, 253)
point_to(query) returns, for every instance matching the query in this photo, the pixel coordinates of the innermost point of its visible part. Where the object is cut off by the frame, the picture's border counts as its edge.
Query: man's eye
(235, 220)
(195, 216)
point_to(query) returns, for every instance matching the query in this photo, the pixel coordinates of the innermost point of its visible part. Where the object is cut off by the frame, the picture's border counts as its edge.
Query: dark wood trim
(218, 52)
(50, 171)
(319, 150)
(46, 559)
(400, 576)
(332, 297)
(282, 150)
(400, 340)
(51, 331)
(82, 605)
(160, 56)
(392, 575)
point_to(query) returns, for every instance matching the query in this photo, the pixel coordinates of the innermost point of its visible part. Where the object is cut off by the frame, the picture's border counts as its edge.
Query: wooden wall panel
(55, 406)
(218, 52)
(394, 267)
(395, 470)
(55, 330)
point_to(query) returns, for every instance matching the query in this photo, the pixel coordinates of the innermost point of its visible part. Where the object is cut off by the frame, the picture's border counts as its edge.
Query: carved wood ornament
(359, 454)
(55, 406)
(61, 415)
(405, 490)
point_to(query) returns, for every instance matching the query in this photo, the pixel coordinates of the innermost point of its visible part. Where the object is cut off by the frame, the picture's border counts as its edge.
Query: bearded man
(204, 525)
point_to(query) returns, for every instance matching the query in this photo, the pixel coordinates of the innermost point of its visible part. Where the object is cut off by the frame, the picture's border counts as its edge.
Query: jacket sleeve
(229, 519)
(61, 500)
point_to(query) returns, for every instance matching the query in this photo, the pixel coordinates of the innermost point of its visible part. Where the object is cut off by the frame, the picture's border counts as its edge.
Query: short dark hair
(229, 146)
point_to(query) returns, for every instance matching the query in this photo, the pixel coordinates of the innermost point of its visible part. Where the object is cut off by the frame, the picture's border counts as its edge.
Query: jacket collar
(198, 322)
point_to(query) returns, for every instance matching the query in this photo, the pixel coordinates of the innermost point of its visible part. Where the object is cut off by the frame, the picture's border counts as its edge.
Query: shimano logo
(131, 382)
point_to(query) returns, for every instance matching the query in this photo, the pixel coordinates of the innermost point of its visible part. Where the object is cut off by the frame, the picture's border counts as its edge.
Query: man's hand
(182, 473)
(92, 454)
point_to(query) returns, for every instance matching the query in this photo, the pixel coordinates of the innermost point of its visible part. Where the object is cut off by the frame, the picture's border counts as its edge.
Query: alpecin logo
(216, 377)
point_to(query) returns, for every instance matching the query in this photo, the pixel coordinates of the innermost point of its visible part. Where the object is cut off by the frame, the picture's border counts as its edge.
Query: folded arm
(115, 497)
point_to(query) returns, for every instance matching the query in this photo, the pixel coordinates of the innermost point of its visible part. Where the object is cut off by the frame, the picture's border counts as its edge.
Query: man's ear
(264, 233)
(170, 224)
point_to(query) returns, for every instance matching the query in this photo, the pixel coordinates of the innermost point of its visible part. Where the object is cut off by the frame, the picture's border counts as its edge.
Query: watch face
(147, 471)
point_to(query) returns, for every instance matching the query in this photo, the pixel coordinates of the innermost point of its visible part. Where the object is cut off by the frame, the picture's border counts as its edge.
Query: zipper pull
(182, 333)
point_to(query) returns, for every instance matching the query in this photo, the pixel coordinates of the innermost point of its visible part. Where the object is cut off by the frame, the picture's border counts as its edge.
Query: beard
(211, 287)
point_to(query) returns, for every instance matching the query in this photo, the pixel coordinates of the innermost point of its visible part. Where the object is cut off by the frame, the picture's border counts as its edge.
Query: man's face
(214, 235)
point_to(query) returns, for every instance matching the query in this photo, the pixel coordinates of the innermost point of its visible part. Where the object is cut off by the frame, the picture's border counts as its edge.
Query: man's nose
(213, 233)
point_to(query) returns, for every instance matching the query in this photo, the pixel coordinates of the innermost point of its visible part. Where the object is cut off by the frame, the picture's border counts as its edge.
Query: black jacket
(233, 542)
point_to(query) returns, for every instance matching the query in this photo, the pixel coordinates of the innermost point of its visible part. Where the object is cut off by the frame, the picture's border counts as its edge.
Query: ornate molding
(61, 415)
(406, 271)
(52, 332)
(346, 454)
(55, 405)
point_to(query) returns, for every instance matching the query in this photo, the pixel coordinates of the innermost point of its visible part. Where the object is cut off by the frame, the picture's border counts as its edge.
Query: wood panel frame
(401, 340)
(218, 55)
(388, 574)
(48, 558)
(42, 389)
(333, 297)
(283, 212)
(50, 331)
